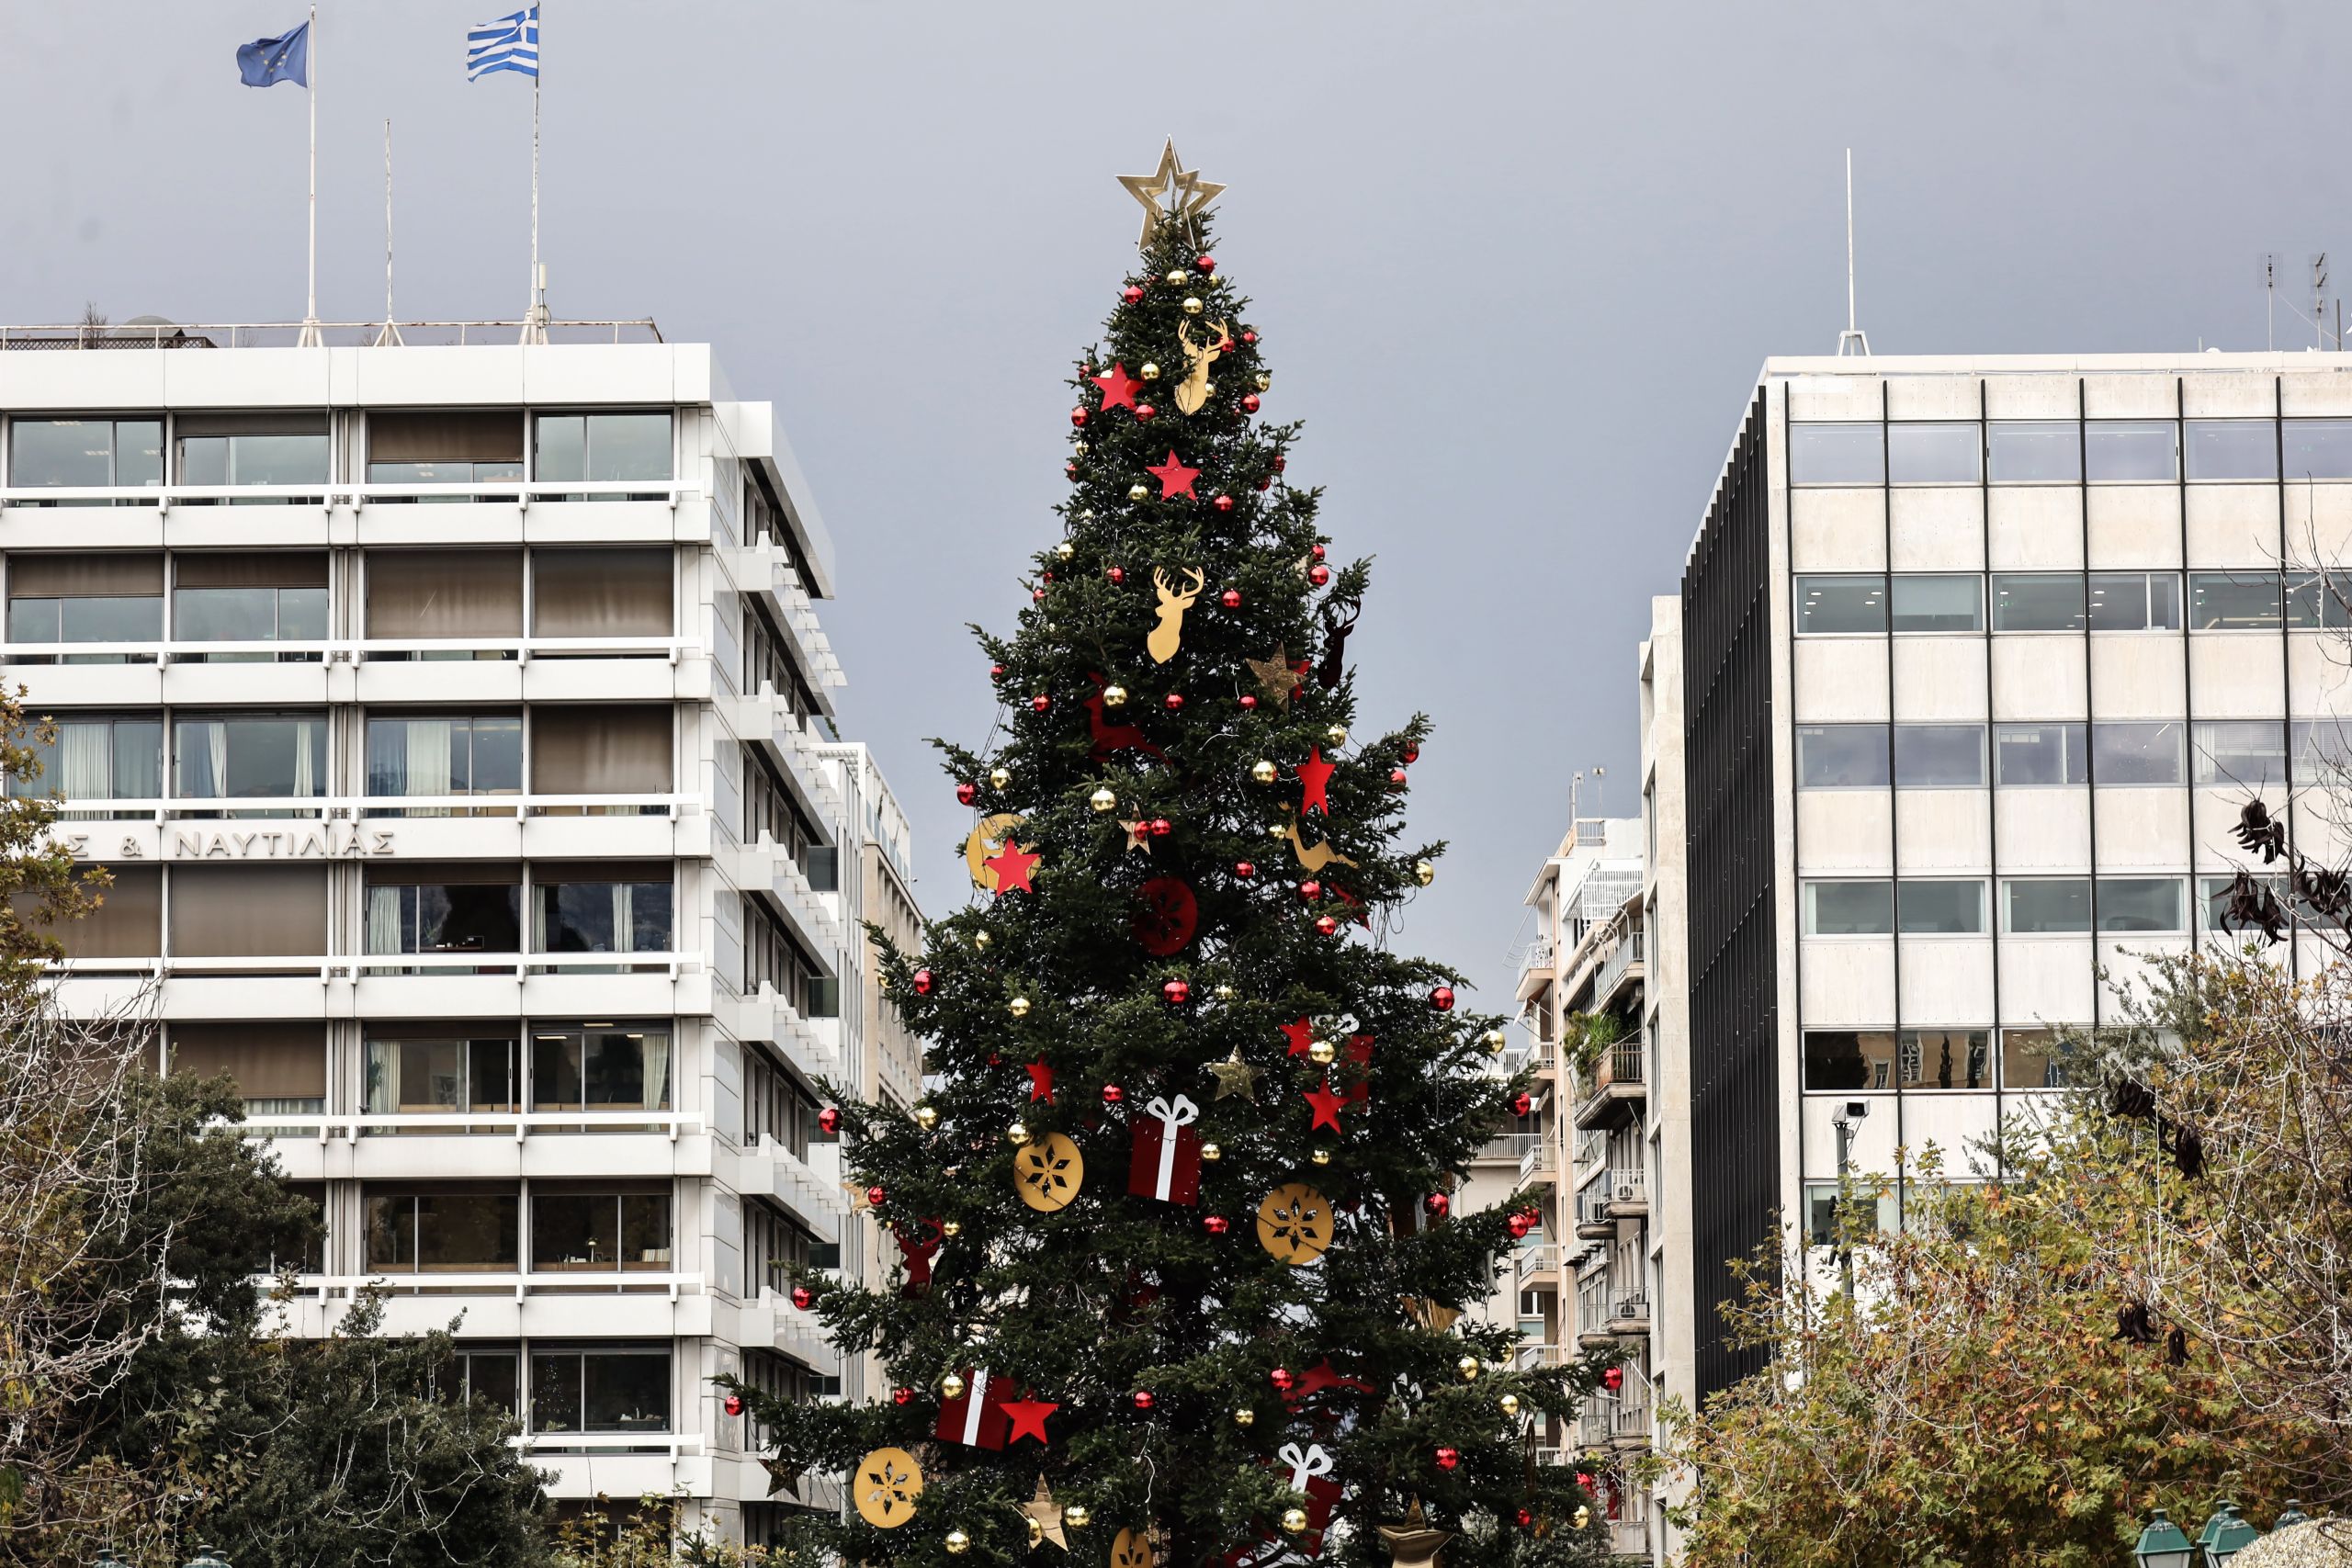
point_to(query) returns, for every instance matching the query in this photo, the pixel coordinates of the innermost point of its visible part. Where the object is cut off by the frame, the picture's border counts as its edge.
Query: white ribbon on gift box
(1305, 1467)
(979, 1394)
(1182, 1112)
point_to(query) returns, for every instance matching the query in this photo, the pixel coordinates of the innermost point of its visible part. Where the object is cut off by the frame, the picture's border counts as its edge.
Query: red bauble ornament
(1173, 702)
(967, 793)
(1040, 702)
(1310, 890)
(1118, 576)
(1585, 1480)
(1519, 1227)
(1525, 1518)
(1265, 482)
(1412, 754)
(1223, 503)
(1448, 1458)
(1613, 1379)
(1144, 411)
(1132, 294)
(1396, 777)
(996, 672)
(1207, 264)
(1249, 703)
(995, 1060)
(1078, 417)
(1177, 992)
(923, 982)
(1244, 869)
(1113, 1094)
(1281, 462)
(1316, 552)
(1327, 924)
(1249, 403)
(903, 1395)
(1282, 1378)
(1441, 999)
(1318, 574)
(1250, 338)
(1217, 1224)
(830, 1120)
(1534, 1216)
(875, 1195)
(1070, 469)
(803, 1297)
(732, 1405)
(1161, 826)
(1230, 598)
(1521, 1103)
(1036, 595)
(1437, 1204)
(1143, 1401)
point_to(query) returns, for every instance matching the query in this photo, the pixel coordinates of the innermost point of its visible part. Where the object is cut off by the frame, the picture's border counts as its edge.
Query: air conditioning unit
(1627, 1194)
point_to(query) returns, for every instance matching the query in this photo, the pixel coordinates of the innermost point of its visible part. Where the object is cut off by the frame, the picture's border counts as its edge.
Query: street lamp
(2162, 1545)
(1854, 1111)
(2292, 1516)
(2226, 1534)
(207, 1557)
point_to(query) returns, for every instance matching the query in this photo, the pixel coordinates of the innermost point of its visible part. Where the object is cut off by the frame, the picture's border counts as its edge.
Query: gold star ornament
(1235, 1076)
(1170, 191)
(1046, 1517)
(1277, 676)
(1413, 1544)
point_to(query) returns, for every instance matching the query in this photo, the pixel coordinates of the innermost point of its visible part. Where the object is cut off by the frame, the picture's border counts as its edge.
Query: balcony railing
(520, 1125)
(1621, 1063)
(350, 650)
(1624, 1184)
(1528, 1358)
(1539, 1161)
(1627, 953)
(1537, 956)
(1542, 1258)
(1593, 1429)
(1633, 1307)
(375, 965)
(292, 335)
(510, 1282)
(1593, 1303)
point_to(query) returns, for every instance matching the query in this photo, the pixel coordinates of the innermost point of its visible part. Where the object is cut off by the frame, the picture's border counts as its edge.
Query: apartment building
(449, 717)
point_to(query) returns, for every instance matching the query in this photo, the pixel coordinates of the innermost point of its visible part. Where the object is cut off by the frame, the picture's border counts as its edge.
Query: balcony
(1628, 1313)
(1538, 1267)
(1594, 1426)
(1593, 1305)
(1593, 1222)
(487, 1145)
(1630, 1422)
(1539, 1162)
(507, 1304)
(1533, 1357)
(1613, 1085)
(1535, 966)
(1623, 965)
(1624, 1193)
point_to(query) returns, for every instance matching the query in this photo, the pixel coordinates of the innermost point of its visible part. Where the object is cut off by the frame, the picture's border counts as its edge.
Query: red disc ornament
(1521, 1103)
(732, 1405)
(1113, 1094)
(1223, 503)
(1143, 1401)
(1165, 924)
(1245, 869)
(803, 1297)
(1318, 574)
(1173, 702)
(1585, 1480)
(1448, 1458)
(875, 1195)
(1177, 992)
(1437, 1204)
(1217, 1224)
(1230, 598)
(1310, 890)
(830, 1120)
(967, 793)
(1132, 294)
(1118, 576)
(923, 982)
(1441, 999)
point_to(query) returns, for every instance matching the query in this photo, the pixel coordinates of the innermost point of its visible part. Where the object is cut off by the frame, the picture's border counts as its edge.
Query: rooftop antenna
(1853, 340)
(389, 337)
(2269, 300)
(2319, 299)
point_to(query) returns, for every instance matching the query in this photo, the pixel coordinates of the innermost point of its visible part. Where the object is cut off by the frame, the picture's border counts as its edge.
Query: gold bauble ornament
(926, 1117)
(1264, 772)
(1468, 1368)
(1337, 736)
(1225, 993)
(1295, 1521)
(1212, 1153)
(1138, 492)
(951, 1229)
(1077, 1514)
(1424, 873)
(1037, 1533)
(958, 1543)
(1511, 1404)
(1114, 696)
(1103, 800)
(1000, 776)
(951, 1387)
(1584, 1515)
(980, 940)
(1323, 1052)
(1244, 1416)
(1265, 379)
(1175, 276)
(1149, 372)
(1087, 515)
(1018, 1007)
(1321, 1156)
(1078, 449)
(1498, 1041)
(1016, 1134)
(1065, 549)
(1276, 831)
(1193, 306)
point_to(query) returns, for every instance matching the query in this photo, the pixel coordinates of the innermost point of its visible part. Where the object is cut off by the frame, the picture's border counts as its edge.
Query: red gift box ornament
(977, 1418)
(1310, 1473)
(1167, 1161)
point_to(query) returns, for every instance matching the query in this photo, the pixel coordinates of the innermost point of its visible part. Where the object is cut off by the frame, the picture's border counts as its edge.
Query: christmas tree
(1183, 1278)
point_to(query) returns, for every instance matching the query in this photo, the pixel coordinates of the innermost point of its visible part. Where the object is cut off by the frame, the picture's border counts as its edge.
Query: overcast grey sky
(1516, 264)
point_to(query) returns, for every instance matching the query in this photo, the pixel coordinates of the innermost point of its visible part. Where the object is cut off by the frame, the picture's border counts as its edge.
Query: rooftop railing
(70, 335)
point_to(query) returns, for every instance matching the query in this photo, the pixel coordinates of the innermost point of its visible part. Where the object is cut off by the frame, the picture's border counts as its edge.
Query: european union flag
(268, 61)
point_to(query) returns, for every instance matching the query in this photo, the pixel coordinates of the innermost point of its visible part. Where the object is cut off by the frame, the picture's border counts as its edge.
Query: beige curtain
(443, 435)
(601, 750)
(249, 911)
(127, 574)
(600, 593)
(251, 568)
(438, 593)
(269, 1061)
(128, 922)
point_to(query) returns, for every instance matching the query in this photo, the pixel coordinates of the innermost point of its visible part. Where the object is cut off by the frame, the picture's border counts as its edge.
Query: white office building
(449, 717)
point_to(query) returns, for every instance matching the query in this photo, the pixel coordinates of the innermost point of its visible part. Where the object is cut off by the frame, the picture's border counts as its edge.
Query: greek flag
(509, 43)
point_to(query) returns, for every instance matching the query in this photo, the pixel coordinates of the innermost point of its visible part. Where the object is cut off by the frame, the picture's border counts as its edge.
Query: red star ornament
(1300, 1034)
(1315, 775)
(1327, 1103)
(1028, 1417)
(1174, 478)
(1041, 1082)
(1119, 388)
(1012, 865)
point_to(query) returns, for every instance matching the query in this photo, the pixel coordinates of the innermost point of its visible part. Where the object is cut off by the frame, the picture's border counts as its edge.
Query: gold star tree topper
(1170, 191)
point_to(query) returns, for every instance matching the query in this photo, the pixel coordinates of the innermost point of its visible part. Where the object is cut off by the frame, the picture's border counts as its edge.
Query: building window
(1939, 603)
(274, 915)
(2135, 601)
(281, 1069)
(594, 593)
(2322, 749)
(467, 906)
(250, 757)
(2034, 451)
(2038, 602)
(424, 1075)
(1935, 906)
(2234, 601)
(1945, 1058)
(251, 449)
(476, 754)
(2214, 903)
(92, 598)
(599, 449)
(2240, 754)
(590, 908)
(2132, 451)
(2136, 755)
(1841, 756)
(2032, 1058)
(2039, 755)
(1938, 756)
(98, 758)
(601, 750)
(487, 1376)
(601, 1230)
(84, 454)
(1836, 453)
(2046, 906)
(443, 447)
(1875, 1209)
(2319, 599)
(2317, 448)
(1848, 907)
(256, 596)
(1932, 454)
(2150, 904)
(443, 596)
(1849, 1059)
(1827, 604)
(443, 1229)
(600, 1390)
(127, 923)
(600, 1067)
(2232, 449)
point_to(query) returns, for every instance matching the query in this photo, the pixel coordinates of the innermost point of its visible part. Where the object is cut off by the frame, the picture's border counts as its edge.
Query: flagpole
(535, 325)
(391, 336)
(311, 338)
